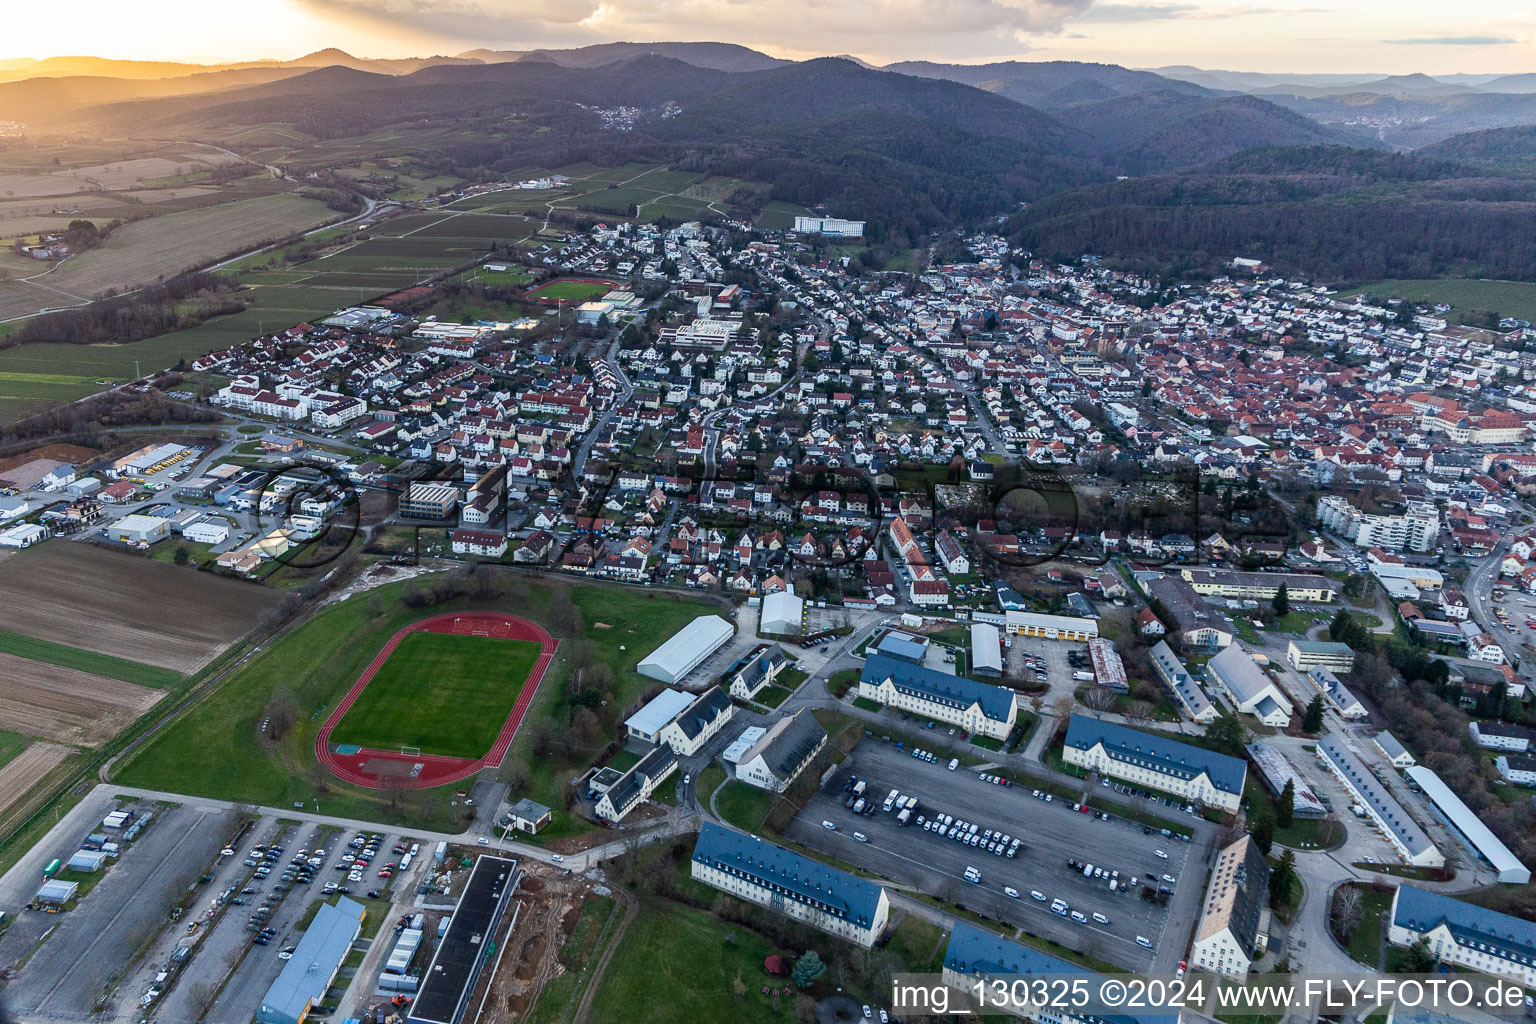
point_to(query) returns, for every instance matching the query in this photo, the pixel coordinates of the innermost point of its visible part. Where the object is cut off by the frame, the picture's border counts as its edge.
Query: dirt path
(631, 908)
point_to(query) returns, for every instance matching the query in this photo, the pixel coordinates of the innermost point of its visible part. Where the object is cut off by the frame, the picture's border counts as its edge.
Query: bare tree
(1348, 912)
(201, 997)
(1139, 711)
(1099, 699)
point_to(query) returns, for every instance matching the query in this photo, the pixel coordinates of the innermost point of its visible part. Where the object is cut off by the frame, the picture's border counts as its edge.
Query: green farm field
(63, 656)
(1507, 298)
(448, 695)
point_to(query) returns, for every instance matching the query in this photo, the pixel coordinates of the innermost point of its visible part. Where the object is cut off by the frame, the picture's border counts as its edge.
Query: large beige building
(1258, 586)
(1466, 935)
(1191, 773)
(1233, 927)
(975, 707)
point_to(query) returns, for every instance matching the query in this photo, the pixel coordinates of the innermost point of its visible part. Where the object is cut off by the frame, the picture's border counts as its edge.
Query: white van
(1079, 917)
(1037, 894)
(1010, 892)
(973, 876)
(954, 763)
(861, 837)
(1142, 940)
(1100, 918)
(829, 826)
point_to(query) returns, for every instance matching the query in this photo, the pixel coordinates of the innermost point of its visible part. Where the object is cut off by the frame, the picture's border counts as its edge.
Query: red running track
(423, 771)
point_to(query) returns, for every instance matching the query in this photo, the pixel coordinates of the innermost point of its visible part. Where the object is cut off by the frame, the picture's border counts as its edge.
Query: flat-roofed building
(1463, 934)
(1410, 841)
(1051, 627)
(647, 723)
(823, 897)
(464, 949)
(973, 706)
(1233, 928)
(1188, 694)
(425, 500)
(1305, 655)
(1192, 773)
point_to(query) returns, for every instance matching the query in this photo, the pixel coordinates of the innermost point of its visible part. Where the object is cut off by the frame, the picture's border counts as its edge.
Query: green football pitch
(445, 694)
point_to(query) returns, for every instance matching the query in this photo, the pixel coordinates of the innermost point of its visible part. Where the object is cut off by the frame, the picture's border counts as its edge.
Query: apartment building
(1415, 530)
(1259, 586)
(974, 707)
(825, 898)
(1233, 928)
(1143, 759)
(1465, 935)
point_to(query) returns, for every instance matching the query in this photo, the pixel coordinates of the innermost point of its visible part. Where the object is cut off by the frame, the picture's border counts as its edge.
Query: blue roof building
(823, 897)
(977, 707)
(1463, 934)
(975, 953)
(1156, 762)
(309, 973)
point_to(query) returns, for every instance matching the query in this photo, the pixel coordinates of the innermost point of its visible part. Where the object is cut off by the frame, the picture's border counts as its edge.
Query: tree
(1281, 602)
(807, 969)
(182, 556)
(1348, 912)
(1099, 699)
(1227, 734)
(1262, 828)
(1285, 807)
(1312, 721)
(1420, 959)
(1282, 880)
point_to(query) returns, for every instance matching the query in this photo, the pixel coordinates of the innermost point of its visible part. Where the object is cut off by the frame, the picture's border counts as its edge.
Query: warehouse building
(975, 707)
(825, 898)
(139, 529)
(647, 723)
(1140, 758)
(784, 750)
(304, 979)
(1305, 655)
(1233, 929)
(783, 614)
(1465, 823)
(57, 893)
(1189, 695)
(1235, 673)
(466, 945)
(974, 955)
(986, 650)
(1051, 627)
(1108, 669)
(1466, 935)
(1406, 837)
(686, 649)
(1275, 770)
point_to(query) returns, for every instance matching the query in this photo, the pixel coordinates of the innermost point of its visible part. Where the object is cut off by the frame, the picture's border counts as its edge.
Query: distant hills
(1294, 170)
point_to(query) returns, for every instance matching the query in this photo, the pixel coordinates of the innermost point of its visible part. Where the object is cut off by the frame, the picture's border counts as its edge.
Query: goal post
(410, 751)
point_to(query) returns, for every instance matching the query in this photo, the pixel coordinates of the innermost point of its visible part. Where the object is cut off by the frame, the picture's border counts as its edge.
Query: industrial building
(1108, 669)
(975, 707)
(1233, 929)
(1275, 770)
(139, 529)
(1191, 773)
(686, 649)
(783, 614)
(1051, 627)
(56, 892)
(1235, 673)
(1407, 838)
(784, 750)
(466, 944)
(1305, 655)
(825, 898)
(974, 955)
(426, 500)
(304, 979)
(986, 650)
(1465, 823)
(1190, 695)
(1466, 935)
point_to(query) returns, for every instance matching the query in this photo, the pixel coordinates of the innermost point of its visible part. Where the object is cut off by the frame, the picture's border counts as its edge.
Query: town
(1095, 622)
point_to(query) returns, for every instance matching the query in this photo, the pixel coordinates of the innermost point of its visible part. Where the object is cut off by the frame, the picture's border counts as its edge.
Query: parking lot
(1052, 833)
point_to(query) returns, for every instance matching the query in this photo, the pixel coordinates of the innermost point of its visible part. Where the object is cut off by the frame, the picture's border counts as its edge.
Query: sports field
(448, 695)
(571, 291)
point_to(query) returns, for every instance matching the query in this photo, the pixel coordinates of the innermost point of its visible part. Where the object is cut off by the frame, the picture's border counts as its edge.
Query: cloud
(1452, 41)
(957, 28)
(1170, 11)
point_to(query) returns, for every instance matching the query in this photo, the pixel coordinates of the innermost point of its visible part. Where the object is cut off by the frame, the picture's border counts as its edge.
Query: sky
(1297, 36)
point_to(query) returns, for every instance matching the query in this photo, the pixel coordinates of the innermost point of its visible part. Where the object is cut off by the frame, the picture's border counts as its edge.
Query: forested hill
(1338, 214)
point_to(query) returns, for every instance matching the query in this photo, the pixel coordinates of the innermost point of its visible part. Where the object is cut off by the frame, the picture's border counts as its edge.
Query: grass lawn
(571, 291)
(708, 970)
(1507, 298)
(1365, 941)
(446, 694)
(51, 653)
(842, 681)
(772, 696)
(866, 704)
(11, 744)
(918, 945)
(744, 806)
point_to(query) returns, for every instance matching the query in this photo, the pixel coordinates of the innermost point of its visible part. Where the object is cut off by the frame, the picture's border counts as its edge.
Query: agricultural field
(1507, 298)
(779, 216)
(25, 769)
(135, 609)
(445, 694)
(65, 705)
(47, 651)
